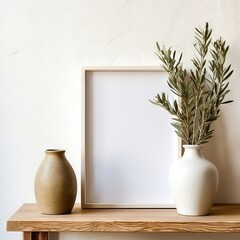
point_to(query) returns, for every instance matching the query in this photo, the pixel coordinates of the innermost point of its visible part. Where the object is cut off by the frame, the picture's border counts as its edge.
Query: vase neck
(55, 152)
(192, 150)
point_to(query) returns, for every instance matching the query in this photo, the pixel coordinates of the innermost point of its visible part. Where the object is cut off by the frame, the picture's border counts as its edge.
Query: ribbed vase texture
(55, 184)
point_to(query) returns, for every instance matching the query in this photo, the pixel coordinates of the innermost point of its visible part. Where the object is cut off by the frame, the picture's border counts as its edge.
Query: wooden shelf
(223, 218)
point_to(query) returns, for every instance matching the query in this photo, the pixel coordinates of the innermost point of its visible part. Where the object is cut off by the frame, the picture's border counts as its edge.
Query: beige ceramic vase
(55, 184)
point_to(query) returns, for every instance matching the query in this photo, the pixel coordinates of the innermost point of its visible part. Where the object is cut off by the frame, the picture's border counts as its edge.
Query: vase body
(194, 182)
(55, 184)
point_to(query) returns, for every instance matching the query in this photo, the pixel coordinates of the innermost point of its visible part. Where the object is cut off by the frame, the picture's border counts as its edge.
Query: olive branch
(200, 91)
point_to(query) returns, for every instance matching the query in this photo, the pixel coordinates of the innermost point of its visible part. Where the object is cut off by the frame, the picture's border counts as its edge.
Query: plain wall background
(44, 44)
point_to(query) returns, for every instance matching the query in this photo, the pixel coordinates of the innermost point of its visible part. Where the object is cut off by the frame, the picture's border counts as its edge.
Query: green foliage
(200, 91)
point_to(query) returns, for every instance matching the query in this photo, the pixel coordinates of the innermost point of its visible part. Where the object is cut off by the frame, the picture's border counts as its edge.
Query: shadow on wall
(54, 236)
(219, 152)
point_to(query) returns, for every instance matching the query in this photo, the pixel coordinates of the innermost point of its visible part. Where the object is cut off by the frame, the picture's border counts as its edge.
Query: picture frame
(128, 143)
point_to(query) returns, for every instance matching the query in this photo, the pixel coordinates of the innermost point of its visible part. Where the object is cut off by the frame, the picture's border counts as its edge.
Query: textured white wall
(44, 44)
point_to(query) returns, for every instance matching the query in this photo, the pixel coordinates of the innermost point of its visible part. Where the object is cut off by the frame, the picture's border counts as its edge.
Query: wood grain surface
(223, 218)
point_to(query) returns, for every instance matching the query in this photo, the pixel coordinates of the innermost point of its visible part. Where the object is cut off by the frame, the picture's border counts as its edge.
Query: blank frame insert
(128, 142)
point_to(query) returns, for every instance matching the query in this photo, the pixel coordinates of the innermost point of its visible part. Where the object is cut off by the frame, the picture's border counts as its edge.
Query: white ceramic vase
(194, 182)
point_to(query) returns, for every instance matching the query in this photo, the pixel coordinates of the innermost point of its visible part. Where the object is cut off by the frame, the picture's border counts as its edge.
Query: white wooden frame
(116, 91)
